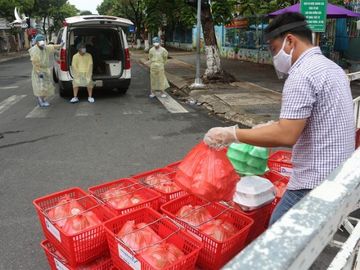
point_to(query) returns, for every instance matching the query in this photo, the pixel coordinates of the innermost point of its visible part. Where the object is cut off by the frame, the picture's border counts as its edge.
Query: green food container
(248, 159)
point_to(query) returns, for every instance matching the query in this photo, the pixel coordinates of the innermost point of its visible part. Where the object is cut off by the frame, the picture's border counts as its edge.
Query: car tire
(55, 78)
(64, 91)
(122, 91)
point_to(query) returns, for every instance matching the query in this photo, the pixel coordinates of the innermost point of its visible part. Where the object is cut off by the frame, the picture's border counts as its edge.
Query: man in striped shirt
(316, 116)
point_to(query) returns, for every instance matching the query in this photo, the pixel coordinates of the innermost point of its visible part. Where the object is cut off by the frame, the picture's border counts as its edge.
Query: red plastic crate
(357, 139)
(164, 227)
(214, 254)
(152, 197)
(174, 165)
(280, 161)
(165, 196)
(278, 180)
(57, 261)
(81, 247)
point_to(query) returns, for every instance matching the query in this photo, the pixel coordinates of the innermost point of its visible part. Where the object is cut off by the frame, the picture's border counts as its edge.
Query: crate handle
(119, 196)
(63, 260)
(72, 215)
(136, 251)
(194, 210)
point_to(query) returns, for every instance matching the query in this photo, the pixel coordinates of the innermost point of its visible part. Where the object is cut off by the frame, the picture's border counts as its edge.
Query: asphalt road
(47, 150)
(77, 145)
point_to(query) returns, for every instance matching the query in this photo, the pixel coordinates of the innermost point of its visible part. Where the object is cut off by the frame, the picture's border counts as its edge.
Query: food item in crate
(162, 255)
(219, 229)
(138, 236)
(207, 173)
(280, 188)
(62, 210)
(161, 182)
(194, 215)
(120, 198)
(80, 221)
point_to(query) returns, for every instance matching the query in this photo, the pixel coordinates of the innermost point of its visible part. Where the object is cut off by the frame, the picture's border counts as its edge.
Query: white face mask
(41, 43)
(282, 61)
(156, 44)
(83, 50)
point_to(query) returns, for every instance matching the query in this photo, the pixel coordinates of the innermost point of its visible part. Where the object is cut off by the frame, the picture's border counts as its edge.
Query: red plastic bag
(162, 255)
(120, 198)
(194, 215)
(80, 222)
(207, 173)
(138, 236)
(62, 210)
(219, 229)
(161, 182)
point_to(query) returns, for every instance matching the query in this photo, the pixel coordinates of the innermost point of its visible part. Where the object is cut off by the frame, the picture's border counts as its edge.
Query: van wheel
(122, 91)
(55, 78)
(64, 91)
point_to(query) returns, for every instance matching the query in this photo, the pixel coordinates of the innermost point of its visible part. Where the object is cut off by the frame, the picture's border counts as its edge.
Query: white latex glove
(221, 136)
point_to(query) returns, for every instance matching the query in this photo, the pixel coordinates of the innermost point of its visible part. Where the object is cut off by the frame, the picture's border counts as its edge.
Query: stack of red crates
(87, 248)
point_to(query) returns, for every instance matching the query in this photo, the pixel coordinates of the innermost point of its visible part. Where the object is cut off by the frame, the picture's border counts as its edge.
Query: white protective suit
(40, 58)
(158, 58)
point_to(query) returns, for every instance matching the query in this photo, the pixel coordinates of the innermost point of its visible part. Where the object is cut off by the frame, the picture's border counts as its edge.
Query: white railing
(298, 238)
(357, 111)
(354, 76)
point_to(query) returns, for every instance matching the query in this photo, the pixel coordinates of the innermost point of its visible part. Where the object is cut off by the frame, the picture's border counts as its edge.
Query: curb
(14, 58)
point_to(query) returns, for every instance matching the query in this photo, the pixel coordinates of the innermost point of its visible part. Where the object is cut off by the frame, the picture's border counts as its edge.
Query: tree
(85, 12)
(8, 6)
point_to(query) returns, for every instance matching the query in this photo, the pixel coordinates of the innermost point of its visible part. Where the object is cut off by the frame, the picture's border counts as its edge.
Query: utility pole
(198, 82)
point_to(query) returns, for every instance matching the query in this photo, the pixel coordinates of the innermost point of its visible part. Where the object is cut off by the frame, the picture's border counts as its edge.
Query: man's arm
(286, 132)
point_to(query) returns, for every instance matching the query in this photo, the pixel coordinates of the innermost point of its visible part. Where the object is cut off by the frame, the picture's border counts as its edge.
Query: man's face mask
(83, 50)
(283, 61)
(41, 44)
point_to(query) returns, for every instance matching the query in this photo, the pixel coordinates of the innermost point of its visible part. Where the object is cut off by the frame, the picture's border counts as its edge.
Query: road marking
(132, 112)
(7, 103)
(171, 104)
(39, 112)
(9, 87)
(84, 109)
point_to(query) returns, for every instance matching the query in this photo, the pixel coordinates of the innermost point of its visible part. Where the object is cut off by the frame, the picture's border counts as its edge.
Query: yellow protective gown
(158, 58)
(82, 68)
(40, 58)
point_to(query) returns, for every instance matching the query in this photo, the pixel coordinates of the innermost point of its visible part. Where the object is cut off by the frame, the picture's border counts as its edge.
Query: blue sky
(86, 4)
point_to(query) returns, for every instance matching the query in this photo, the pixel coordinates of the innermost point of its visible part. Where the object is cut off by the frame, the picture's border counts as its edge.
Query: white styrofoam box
(114, 67)
(252, 192)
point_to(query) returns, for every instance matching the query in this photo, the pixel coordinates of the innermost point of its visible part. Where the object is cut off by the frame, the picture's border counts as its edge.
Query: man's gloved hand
(221, 136)
(41, 75)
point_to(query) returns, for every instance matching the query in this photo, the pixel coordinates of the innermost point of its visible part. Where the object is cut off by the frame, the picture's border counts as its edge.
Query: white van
(105, 40)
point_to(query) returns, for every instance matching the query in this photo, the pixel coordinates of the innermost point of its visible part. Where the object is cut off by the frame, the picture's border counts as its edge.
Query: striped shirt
(318, 90)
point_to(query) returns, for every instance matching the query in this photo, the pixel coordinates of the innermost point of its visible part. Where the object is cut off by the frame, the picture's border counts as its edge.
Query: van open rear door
(93, 20)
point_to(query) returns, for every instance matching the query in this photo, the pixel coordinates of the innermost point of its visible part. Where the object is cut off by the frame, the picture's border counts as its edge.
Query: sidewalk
(4, 57)
(254, 98)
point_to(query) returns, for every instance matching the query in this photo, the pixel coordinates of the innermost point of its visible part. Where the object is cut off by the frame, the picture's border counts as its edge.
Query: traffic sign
(315, 13)
(131, 28)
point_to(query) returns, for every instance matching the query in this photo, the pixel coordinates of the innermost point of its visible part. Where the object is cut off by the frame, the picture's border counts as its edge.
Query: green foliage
(85, 12)
(7, 8)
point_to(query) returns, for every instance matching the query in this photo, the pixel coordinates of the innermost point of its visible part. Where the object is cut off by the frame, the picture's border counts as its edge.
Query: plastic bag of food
(207, 173)
(80, 221)
(162, 182)
(138, 236)
(219, 229)
(120, 198)
(162, 255)
(194, 215)
(62, 210)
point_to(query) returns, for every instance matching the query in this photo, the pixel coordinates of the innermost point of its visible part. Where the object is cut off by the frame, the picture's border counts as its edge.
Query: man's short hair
(289, 23)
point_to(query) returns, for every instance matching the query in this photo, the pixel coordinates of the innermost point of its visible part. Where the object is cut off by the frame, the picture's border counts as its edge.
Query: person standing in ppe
(158, 57)
(82, 70)
(41, 74)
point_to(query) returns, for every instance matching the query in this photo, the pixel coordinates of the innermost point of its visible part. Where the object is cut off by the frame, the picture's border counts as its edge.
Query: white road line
(171, 104)
(9, 87)
(84, 109)
(39, 112)
(132, 112)
(7, 103)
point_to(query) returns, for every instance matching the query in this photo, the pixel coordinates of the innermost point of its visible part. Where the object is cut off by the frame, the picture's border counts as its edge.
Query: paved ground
(77, 145)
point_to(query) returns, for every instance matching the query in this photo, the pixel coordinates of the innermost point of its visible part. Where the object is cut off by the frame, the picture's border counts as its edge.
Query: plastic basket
(58, 262)
(214, 254)
(81, 247)
(280, 161)
(152, 197)
(165, 196)
(126, 259)
(174, 165)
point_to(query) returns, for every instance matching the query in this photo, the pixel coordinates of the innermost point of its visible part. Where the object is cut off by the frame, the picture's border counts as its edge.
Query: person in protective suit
(82, 70)
(158, 57)
(41, 76)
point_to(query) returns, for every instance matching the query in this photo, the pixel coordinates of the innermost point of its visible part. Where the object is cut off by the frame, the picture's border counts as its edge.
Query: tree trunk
(213, 64)
(44, 27)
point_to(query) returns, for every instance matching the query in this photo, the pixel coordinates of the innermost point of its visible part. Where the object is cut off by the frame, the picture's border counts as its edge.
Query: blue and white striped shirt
(318, 90)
